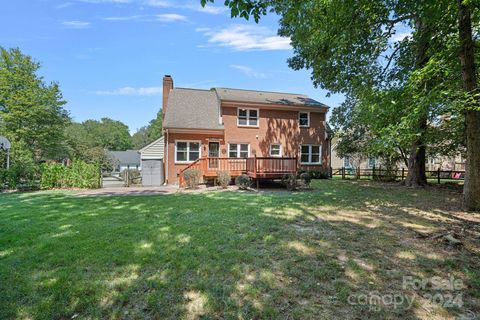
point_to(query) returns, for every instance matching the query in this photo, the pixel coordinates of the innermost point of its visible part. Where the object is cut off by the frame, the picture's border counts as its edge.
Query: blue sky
(109, 56)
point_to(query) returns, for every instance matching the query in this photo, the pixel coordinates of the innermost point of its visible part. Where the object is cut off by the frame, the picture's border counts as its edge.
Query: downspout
(166, 157)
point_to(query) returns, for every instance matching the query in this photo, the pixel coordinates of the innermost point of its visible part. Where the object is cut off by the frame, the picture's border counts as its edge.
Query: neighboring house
(263, 134)
(125, 159)
(433, 163)
(153, 174)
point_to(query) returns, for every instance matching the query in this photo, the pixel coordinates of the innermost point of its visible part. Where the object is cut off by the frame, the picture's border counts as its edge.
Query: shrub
(316, 174)
(192, 177)
(224, 178)
(243, 182)
(52, 176)
(290, 181)
(306, 179)
(3, 179)
(78, 175)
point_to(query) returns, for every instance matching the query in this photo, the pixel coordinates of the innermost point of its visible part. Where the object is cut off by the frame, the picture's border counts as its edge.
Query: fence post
(343, 173)
(100, 178)
(358, 173)
(128, 176)
(438, 175)
(403, 174)
(373, 172)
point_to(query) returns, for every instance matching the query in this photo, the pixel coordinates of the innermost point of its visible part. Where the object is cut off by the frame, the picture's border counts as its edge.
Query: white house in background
(151, 157)
(122, 160)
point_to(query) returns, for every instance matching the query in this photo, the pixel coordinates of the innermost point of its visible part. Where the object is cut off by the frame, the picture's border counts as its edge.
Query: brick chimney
(167, 86)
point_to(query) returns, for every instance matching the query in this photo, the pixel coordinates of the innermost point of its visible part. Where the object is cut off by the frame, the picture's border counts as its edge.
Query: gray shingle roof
(192, 109)
(267, 97)
(129, 157)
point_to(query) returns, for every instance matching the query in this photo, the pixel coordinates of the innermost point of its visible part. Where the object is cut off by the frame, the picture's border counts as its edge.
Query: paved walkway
(130, 191)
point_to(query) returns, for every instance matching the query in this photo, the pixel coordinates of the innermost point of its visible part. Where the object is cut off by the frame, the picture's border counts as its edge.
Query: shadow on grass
(225, 255)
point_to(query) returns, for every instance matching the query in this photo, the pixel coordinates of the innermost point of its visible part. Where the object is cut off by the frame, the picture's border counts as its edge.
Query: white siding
(154, 150)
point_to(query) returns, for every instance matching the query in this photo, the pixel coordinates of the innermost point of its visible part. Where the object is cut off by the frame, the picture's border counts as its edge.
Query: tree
(348, 47)
(106, 134)
(472, 111)
(31, 111)
(149, 133)
(89, 140)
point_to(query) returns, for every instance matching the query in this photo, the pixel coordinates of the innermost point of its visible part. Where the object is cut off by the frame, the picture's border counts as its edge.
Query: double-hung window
(187, 151)
(310, 154)
(238, 150)
(372, 162)
(304, 119)
(247, 117)
(347, 163)
(276, 150)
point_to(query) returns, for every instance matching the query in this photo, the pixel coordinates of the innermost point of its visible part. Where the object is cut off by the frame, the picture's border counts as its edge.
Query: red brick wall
(275, 126)
(173, 168)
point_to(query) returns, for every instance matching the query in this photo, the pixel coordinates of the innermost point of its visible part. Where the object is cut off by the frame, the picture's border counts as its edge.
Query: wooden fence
(396, 174)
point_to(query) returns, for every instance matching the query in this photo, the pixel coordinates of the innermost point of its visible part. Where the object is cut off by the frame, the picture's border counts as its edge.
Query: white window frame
(279, 155)
(310, 154)
(188, 150)
(349, 162)
(308, 117)
(248, 117)
(238, 150)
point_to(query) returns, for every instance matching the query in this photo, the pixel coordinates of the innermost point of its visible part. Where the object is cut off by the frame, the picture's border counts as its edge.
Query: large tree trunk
(471, 189)
(416, 162)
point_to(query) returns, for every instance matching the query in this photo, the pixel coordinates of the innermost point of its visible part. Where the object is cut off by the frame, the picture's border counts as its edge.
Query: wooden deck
(255, 167)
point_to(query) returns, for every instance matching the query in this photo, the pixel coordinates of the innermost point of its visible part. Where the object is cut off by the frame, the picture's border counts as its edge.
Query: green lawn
(234, 255)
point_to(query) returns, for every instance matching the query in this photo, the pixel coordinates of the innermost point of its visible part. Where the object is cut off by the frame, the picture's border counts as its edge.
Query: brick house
(262, 134)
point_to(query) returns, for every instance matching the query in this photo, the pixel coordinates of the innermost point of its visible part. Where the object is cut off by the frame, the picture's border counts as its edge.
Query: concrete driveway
(130, 191)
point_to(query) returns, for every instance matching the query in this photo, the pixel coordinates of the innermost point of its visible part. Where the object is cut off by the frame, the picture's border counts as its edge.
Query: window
(276, 150)
(238, 150)
(187, 151)
(347, 163)
(372, 162)
(304, 119)
(247, 117)
(310, 154)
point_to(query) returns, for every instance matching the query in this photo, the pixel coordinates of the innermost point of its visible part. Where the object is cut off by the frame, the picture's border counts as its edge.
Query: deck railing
(256, 167)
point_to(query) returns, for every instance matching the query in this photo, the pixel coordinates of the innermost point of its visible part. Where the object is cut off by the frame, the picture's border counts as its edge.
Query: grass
(233, 255)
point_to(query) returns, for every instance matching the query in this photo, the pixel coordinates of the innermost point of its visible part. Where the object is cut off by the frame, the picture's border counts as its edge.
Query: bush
(290, 181)
(306, 179)
(3, 179)
(78, 175)
(53, 175)
(317, 174)
(224, 178)
(192, 178)
(243, 182)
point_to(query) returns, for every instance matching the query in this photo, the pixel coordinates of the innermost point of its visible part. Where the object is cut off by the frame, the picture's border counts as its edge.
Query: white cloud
(126, 18)
(64, 5)
(249, 72)
(246, 37)
(76, 24)
(129, 91)
(158, 3)
(207, 9)
(195, 6)
(170, 17)
(106, 1)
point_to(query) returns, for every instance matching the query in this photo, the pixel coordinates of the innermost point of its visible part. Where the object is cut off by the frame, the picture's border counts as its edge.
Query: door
(152, 173)
(213, 154)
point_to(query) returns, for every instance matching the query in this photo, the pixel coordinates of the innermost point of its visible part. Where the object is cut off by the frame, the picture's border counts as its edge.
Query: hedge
(78, 174)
